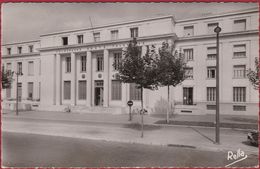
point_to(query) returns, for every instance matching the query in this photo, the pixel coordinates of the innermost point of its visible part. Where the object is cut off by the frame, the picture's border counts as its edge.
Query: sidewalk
(208, 120)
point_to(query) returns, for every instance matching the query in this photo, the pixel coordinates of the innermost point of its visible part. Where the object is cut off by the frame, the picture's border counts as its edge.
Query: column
(89, 79)
(125, 86)
(106, 78)
(58, 79)
(73, 79)
(54, 79)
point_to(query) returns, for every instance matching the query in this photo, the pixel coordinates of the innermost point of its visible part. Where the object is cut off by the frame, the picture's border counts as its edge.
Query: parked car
(252, 137)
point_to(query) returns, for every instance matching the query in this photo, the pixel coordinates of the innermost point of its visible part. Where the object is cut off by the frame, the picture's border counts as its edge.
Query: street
(32, 150)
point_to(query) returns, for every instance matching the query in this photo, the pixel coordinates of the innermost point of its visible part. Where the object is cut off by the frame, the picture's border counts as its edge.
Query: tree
(7, 78)
(253, 76)
(141, 70)
(171, 67)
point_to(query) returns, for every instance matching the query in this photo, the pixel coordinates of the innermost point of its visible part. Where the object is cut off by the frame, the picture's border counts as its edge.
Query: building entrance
(99, 92)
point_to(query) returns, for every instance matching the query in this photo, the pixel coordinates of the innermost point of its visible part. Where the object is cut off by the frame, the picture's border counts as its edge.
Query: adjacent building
(74, 69)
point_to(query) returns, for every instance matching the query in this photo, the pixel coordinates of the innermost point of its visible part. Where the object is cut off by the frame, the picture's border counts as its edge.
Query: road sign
(130, 103)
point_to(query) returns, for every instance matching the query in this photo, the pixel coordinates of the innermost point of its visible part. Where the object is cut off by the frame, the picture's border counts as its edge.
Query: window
(135, 93)
(8, 92)
(19, 92)
(188, 53)
(211, 53)
(20, 68)
(189, 73)
(9, 51)
(211, 27)
(9, 67)
(100, 62)
(66, 91)
(239, 108)
(211, 93)
(83, 60)
(116, 90)
(211, 107)
(96, 37)
(82, 90)
(30, 68)
(117, 60)
(39, 90)
(30, 48)
(80, 39)
(239, 71)
(64, 41)
(134, 32)
(30, 90)
(68, 64)
(188, 31)
(19, 50)
(239, 94)
(239, 51)
(188, 95)
(211, 72)
(240, 25)
(114, 35)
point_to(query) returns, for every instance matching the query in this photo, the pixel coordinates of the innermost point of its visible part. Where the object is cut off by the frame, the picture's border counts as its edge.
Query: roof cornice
(255, 10)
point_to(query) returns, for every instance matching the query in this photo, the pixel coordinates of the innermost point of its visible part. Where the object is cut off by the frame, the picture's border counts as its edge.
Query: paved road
(31, 150)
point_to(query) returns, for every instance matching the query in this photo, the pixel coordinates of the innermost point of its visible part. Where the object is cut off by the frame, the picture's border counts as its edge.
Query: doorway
(99, 92)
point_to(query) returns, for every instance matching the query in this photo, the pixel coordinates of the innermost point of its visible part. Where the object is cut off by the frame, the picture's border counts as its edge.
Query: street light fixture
(217, 30)
(17, 74)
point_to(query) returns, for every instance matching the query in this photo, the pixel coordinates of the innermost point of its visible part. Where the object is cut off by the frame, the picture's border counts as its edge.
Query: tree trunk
(142, 113)
(168, 103)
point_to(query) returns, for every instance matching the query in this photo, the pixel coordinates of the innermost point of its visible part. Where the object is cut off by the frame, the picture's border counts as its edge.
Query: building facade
(75, 68)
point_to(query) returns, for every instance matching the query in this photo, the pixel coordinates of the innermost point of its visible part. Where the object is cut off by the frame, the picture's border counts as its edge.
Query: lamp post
(217, 30)
(17, 99)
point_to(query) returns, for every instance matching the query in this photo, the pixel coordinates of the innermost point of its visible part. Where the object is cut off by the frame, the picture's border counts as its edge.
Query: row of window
(97, 38)
(116, 90)
(239, 71)
(30, 91)
(20, 68)
(99, 62)
(19, 50)
(239, 94)
(238, 25)
(239, 51)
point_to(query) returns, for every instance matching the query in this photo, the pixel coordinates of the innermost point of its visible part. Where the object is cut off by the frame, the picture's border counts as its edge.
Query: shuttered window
(67, 90)
(30, 68)
(116, 90)
(82, 90)
(30, 90)
(239, 94)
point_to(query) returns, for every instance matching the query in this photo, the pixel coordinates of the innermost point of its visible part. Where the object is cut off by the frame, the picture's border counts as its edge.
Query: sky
(27, 21)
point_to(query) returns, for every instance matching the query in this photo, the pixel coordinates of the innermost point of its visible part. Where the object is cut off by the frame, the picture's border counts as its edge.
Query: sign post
(130, 104)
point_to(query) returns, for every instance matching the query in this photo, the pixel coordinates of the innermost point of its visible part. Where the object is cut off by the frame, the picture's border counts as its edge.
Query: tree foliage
(253, 76)
(171, 66)
(7, 78)
(138, 69)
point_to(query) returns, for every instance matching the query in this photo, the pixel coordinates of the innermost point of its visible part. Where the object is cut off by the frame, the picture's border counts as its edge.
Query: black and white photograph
(124, 84)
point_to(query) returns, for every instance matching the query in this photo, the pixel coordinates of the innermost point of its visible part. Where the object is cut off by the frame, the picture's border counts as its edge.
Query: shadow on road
(137, 126)
(208, 138)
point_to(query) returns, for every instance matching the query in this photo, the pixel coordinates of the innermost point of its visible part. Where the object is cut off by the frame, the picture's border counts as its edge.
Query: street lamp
(17, 74)
(217, 30)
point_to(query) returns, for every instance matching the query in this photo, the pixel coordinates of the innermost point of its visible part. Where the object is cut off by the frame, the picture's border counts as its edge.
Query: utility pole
(17, 99)
(217, 30)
